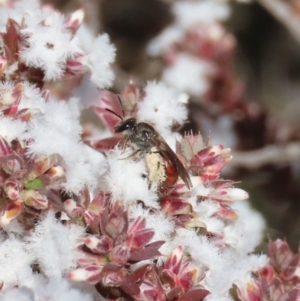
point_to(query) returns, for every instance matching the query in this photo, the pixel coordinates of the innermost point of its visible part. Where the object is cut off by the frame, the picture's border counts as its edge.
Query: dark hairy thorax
(142, 136)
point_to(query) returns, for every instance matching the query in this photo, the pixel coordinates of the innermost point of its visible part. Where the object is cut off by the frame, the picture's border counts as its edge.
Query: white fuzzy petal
(126, 179)
(54, 246)
(163, 107)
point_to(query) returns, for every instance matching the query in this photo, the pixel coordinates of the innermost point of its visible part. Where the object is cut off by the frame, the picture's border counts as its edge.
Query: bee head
(125, 125)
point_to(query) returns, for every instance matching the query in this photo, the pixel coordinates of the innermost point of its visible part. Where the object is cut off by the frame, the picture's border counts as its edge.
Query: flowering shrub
(88, 215)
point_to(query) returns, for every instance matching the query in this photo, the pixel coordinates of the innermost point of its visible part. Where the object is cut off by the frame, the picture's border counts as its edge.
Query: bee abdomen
(171, 177)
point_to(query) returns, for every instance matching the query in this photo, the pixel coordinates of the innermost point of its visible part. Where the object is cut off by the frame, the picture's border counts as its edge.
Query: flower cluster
(40, 44)
(194, 225)
(87, 215)
(42, 156)
(278, 281)
(198, 45)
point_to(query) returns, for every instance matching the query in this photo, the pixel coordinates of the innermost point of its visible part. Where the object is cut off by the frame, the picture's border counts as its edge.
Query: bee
(162, 162)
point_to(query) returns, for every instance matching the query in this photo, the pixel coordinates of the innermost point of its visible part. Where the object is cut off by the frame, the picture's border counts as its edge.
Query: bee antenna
(120, 101)
(114, 113)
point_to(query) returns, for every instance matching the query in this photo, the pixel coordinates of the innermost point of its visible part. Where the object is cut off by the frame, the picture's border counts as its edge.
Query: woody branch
(273, 154)
(284, 14)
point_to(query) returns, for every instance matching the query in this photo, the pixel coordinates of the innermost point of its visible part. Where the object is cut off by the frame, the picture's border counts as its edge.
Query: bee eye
(125, 125)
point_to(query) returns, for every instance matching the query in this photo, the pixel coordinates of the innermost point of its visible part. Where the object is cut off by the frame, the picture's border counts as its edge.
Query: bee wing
(168, 153)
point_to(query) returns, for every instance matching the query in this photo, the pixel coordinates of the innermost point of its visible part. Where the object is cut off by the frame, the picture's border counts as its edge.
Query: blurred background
(250, 102)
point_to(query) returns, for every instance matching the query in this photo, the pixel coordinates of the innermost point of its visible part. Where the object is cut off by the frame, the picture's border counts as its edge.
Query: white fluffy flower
(56, 130)
(15, 227)
(15, 262)
(229, 265)
(248, 230)
(53, 246)
(99, 59)
(32, 98)
(48, 44)
(85, 37)
(220, 131)
(163, 107)
(30, 9)
(188, 14)
(60, 290)
(88, 93)
(48, 47)
(188, 74)
(20, 294)
(233, 268)
(201, 250)
(126, 179)
(54, 290)
(11, 129)
(162, 42)
(53, 128)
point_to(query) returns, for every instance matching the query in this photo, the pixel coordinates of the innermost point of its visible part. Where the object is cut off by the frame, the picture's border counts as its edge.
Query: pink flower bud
(150, 285)
(55, 173)
(99, 202)
(75, 20)
(7, 99)
(267, 273)
(100, 245)
(77, 64)
(35, 199)
(175, 206)
(12, 188)
(91, 219)
(210, 161)
(26, 114)
(114, 276)
(3, 64)
(174, 260)
(136, 241)
(225, 193)
(39, 166)
(89, 274)
(119, 254)
(46, 94)
(249, 292)
(237, 194)
(190, 145)
(12, 210)
(5, 148)
(42, 165)
(226, 213)
(11, 99)
(92, 242)
(73, 209)
(12, 164)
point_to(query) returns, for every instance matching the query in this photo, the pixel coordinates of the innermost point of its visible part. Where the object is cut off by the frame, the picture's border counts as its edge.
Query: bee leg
(155, 152)
(125, 143)
(149, 183)
(132, 155)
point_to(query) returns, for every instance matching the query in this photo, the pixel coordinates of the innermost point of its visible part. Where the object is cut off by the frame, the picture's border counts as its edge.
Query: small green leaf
(34, 184)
